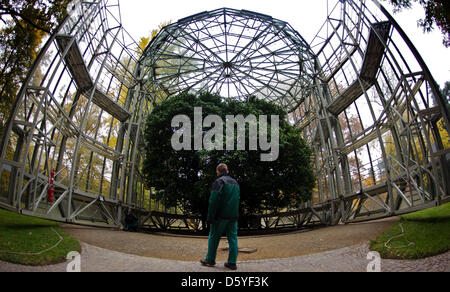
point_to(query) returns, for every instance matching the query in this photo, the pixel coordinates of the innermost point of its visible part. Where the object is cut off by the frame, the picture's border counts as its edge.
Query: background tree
(441, 124)
(437, 12)
(25, 24)
(183, 179)
(144, 41)
(446, 91)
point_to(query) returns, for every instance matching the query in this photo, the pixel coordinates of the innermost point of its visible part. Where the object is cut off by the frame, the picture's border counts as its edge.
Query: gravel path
(349, 259)
(268, 247)
(334, 249)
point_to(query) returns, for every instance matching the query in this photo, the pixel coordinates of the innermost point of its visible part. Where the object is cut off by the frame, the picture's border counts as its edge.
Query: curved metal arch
(377, 104)
(361, 94)
(230, 52)
(75, 116)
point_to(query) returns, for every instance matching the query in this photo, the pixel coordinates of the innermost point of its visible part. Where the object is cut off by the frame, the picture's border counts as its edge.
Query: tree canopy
(25, 24)
(437, 12)
(183, 179)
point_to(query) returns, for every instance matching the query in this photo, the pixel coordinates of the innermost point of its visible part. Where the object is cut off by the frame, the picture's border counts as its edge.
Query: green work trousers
(218, 229)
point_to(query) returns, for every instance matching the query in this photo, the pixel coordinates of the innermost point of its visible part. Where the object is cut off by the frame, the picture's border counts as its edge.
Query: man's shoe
(207, 263)
(231, 266)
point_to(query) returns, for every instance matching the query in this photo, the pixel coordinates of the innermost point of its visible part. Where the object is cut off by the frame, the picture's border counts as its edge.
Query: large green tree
(183, 178)
(24, 25)
(437, 12)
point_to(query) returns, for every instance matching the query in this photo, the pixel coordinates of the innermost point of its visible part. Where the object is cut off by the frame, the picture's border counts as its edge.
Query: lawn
(22, 234)
(426, 233)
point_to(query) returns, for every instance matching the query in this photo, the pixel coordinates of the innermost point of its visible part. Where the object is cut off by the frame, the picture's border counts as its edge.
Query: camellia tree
(183, 179)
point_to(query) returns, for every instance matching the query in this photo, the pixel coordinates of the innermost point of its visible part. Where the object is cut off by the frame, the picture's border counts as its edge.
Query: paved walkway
(191, 249)
(350, 259)
(341, 248)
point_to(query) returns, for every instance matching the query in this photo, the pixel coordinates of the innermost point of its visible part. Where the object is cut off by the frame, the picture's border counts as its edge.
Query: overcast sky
(140, 17)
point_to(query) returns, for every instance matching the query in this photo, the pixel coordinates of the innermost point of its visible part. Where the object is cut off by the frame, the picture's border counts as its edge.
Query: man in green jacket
(223, 215)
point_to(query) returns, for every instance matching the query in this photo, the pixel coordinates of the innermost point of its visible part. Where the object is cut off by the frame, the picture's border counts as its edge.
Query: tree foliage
(25, 24)
(183, 179)
(441, 124)
(437, 12)
(446, 91)
(145, 41)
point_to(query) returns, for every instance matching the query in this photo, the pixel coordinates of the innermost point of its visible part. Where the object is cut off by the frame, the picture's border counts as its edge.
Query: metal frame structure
(362, 95)
(231, 53)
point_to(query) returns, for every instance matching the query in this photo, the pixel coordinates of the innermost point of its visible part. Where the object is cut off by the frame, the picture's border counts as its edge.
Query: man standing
(223, 215)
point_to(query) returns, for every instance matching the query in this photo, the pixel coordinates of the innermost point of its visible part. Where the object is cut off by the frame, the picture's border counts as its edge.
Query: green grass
(429, 230)
(438, 214)
(25, 234)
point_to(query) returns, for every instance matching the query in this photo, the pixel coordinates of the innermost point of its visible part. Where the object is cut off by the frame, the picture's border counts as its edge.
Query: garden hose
(398, 236)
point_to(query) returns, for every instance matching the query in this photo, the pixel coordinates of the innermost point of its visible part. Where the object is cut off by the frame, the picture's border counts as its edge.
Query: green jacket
(224, 200)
